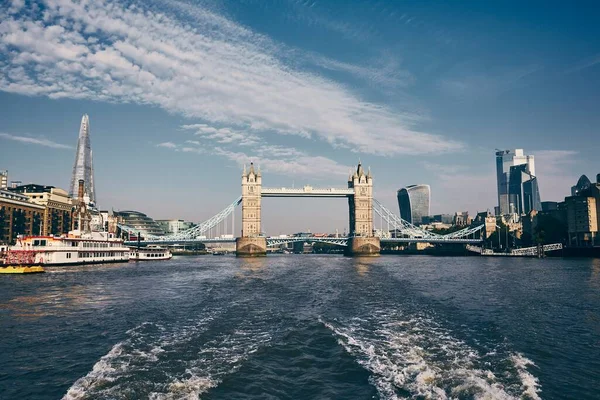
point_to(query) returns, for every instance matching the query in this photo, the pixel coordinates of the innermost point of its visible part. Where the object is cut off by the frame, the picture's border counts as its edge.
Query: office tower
(582, 184)
(523, 192)
(414, 202)
(83, 167)
(505, 159)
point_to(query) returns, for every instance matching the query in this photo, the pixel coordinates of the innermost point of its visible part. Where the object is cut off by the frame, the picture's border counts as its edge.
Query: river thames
(304, 327)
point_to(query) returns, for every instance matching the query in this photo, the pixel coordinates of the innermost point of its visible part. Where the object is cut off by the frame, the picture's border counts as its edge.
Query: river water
(304, 327)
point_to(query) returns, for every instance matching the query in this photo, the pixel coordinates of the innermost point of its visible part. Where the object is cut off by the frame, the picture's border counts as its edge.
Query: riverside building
(139, 221)
(174, 226)
(58, 207)
(18, 216)
(583, 214)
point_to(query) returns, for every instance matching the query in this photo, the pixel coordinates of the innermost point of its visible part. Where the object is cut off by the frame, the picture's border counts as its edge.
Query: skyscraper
(414, 202)
(583, 183)
(83, 167)
(523, 192)
(504, 160)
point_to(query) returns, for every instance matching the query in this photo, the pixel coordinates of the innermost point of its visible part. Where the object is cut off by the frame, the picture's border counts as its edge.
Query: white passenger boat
(149, 253)
(73, 249)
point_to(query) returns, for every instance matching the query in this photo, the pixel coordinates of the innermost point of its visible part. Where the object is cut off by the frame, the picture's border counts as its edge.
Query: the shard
(83, 167)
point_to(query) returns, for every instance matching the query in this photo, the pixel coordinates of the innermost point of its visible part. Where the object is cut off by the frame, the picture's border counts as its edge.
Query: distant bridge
(306, 191)
(404, 232)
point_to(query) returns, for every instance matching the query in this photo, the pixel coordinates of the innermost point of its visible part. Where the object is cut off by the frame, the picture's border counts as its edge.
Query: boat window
(36, 242)
(43, 242)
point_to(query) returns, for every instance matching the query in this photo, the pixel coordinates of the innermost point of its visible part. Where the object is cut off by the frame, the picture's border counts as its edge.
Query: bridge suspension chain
(204, 227)
(406, 229)
(402, 227)
(191, 233)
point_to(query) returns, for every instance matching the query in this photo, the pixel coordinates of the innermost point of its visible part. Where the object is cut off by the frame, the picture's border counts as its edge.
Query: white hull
(150, 253)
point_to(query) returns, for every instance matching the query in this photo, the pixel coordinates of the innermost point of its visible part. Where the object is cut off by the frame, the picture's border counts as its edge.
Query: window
(69, 254)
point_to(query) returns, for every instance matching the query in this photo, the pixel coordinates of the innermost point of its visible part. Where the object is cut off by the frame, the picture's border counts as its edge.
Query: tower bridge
(360, 198)
(362, 241)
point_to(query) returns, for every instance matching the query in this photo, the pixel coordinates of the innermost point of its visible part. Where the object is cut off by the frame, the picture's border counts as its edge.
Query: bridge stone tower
(251, 243)
(361, 242)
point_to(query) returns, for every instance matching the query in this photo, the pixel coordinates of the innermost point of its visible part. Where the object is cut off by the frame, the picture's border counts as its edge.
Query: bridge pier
(251, 247)
(363, 247)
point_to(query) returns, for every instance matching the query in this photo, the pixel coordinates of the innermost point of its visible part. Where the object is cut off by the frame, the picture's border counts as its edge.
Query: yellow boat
(19, 269)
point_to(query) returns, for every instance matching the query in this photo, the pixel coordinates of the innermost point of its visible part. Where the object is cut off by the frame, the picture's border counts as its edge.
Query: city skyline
(307, 111)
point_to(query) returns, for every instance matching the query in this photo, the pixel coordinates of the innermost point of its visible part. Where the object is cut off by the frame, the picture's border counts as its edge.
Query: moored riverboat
(73, 249)
(149, 253)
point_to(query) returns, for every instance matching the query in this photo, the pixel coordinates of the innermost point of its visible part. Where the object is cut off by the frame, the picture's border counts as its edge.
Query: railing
(534, 251)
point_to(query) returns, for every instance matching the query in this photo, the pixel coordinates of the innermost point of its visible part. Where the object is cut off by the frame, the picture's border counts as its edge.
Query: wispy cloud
(584, 64)
(216, 71)
(40, 141)
(223, 135)
(282, 160)
(168, 145)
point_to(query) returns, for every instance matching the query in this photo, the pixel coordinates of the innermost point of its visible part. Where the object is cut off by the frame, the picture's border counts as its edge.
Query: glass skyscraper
(414, 203)
(523, 192)
(505, 159)
(83, 167)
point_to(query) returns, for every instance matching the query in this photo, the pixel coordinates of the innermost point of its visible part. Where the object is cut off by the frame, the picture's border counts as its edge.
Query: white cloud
(223, 135)
(216, 71)
(168, 145)
(16, 6)
(33, 140)
(287, 161)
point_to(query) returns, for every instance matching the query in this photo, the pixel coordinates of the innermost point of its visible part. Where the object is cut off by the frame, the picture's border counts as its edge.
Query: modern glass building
(83, 167)
(523, 191)
(505, 159)
(139, 221)
(414, 203)
(583, 184)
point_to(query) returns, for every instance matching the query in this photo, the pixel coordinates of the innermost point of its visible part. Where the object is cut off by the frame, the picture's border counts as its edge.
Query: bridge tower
(251, 243)
(362, 242)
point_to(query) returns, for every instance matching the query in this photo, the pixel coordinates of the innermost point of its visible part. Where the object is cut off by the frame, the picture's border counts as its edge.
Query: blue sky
(181, 94)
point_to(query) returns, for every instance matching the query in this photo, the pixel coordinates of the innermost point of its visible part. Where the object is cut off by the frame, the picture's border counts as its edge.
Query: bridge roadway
(275, 241)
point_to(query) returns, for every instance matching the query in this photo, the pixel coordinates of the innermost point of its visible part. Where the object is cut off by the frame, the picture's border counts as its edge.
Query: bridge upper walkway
(306, 191)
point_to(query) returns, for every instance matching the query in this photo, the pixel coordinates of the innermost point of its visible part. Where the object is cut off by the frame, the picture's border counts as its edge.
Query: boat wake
(159, 362)
(414, 356)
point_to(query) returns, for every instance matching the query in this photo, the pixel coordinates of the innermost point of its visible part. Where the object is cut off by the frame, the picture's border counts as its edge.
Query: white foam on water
(415, 355)
(142, 348)
(102, 372)
(530, 384)
(181, 366)
(186, 389)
